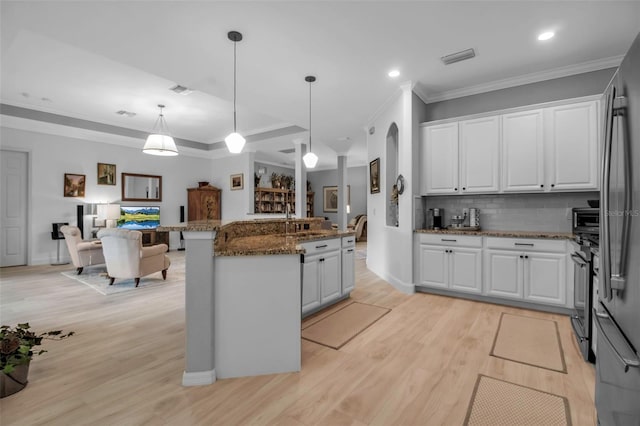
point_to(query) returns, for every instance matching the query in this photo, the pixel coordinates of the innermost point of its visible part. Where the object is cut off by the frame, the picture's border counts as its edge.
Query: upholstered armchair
(83, 253)
(358, 225)
(127, 258)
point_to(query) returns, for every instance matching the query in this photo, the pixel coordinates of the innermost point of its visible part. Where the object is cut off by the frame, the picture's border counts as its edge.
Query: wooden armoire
(203, 203)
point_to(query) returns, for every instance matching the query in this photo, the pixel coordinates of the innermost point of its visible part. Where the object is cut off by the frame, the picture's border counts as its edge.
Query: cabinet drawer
(349, 241)
(451, 240)
(527, 244)
(320, 246)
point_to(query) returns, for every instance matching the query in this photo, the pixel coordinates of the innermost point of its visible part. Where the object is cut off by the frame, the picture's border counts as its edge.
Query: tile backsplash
(510, 212)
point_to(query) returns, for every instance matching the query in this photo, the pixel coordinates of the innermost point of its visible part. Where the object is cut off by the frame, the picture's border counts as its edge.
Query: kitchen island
(244, 284)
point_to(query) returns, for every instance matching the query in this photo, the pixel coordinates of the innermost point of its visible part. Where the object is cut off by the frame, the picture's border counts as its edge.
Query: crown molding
(566, 71)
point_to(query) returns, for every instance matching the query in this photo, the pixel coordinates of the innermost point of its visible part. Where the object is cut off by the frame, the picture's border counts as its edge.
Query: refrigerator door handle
(620, 112)
(625, 354)
(605, 282)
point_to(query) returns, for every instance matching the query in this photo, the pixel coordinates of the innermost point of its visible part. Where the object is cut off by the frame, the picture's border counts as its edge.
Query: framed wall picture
(106, 174)
(374, 176)
(237, 181)
(330, 198)
(74, 185)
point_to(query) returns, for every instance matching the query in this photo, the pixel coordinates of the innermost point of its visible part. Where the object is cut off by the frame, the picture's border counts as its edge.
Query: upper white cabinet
(549, 148)
(439, 168)
(523, 152)
(572, 146)
(480, 155)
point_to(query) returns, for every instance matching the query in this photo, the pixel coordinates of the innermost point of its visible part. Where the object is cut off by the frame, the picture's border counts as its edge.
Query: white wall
(52, 156)
(356, 178)
(390, 248)
(236, 204)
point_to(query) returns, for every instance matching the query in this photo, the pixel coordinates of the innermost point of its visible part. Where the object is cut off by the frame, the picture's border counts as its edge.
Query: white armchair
(83, 253)
(127, 258)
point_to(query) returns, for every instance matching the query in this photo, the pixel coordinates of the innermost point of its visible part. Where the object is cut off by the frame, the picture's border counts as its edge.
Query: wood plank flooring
(415, 366)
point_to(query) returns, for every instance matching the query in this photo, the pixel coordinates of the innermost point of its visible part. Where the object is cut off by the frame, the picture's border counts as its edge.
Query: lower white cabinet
(525, 274)
(451, 267)
(328, 272)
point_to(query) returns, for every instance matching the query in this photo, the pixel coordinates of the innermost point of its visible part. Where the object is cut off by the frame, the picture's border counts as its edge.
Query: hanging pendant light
(160, 142)
(235, 141)
(310, 159)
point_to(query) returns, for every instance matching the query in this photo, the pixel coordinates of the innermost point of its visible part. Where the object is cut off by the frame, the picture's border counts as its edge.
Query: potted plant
(16, 352)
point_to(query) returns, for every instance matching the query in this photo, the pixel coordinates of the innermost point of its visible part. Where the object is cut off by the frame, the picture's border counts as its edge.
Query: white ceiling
(90, 59)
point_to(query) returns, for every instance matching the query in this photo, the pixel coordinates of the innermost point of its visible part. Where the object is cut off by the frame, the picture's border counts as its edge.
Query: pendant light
(310, 159)
(160, 142)
(235, 141)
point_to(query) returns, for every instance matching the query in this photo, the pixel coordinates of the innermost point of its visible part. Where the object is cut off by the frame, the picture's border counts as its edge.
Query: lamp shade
(310, 160)
(235, 142)
(158, 144)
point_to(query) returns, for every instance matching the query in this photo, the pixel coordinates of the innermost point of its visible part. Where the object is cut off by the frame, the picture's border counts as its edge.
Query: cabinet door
(465, 269)
(331, 277)
(440, 159)
(503, 271)
(348, 270)
(433, 266)
(479, 155)
(522, 151)
(310, 283)
(545, 278)
(572, 146)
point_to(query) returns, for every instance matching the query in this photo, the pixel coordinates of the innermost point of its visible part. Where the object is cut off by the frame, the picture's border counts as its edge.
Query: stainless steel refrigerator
(617, 314)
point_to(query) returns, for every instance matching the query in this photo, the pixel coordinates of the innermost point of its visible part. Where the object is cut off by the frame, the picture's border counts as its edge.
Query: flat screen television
(139, 218)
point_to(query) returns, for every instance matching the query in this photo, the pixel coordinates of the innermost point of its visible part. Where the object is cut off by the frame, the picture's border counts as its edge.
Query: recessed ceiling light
(546, 35)
(394, 73)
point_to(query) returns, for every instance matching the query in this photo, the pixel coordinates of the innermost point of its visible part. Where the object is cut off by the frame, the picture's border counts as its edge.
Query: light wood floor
(416, 366)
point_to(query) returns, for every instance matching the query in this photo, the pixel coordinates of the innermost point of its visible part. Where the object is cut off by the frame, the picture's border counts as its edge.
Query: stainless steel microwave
(586, 220)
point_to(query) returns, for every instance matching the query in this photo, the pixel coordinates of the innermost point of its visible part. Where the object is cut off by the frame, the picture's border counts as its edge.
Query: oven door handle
(576, 328)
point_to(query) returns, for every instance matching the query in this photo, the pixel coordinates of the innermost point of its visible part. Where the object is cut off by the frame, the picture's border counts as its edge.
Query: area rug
(97, 280)
(496, 402)
(340, 327)
(530, 341)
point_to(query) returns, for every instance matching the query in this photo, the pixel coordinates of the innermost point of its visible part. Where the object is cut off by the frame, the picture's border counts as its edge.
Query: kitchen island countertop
(503, 234)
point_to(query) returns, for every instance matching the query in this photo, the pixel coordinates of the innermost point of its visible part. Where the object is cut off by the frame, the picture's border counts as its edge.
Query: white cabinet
(348, 265)
(522, 152)
(480, 155)
(571, 134)
(439, 168)
(330, 276)
(515, 269)
(451, 263)
(310, 283)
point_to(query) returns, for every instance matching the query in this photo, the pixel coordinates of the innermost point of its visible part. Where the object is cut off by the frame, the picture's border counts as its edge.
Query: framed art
(237, 181)
(74, 185)
(106, 174)
(330, 198)
(374, 176)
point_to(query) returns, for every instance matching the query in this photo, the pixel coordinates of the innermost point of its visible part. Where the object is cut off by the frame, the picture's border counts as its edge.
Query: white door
(572, 146)
(433, 266)
(465, 266)
(348, 270)
(331, 281)
(545, 278)
(13, 203)
(503, 271)
(522, 152)
(480, 155)
(310, 283)
(440, 159)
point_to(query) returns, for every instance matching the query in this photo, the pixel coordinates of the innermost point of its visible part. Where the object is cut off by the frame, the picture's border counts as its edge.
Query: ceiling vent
(127, 113)
(458, 56)
(287, 151)
(181, 90)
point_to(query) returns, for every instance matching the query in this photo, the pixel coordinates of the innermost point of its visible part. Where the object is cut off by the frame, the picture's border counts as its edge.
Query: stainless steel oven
(586, 221)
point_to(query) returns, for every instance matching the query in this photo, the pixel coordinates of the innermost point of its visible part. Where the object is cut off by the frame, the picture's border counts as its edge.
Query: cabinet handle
(524, 244)
(450, 240)
(349, 241)
(322, 259)
(350, 251)
(526, 257)
(464, 188)
(553, 185)
(521, 256)
(455, 189)
(541, 186)
(321, 246)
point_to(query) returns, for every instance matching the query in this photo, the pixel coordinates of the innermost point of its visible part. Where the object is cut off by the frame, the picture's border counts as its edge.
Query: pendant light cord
(234, 86)
(309, 116)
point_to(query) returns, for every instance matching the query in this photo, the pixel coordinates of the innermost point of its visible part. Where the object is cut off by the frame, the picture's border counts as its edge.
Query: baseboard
(406, 288)
(199, 378)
